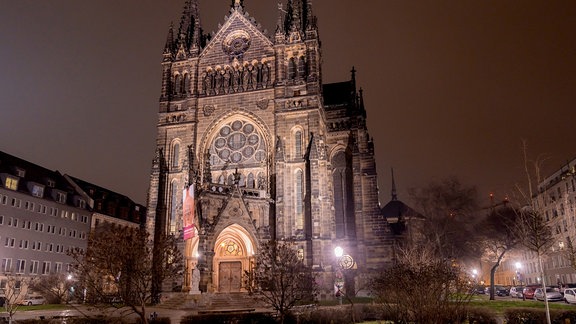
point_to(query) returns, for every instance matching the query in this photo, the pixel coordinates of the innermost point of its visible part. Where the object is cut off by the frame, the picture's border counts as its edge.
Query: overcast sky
(451, 87)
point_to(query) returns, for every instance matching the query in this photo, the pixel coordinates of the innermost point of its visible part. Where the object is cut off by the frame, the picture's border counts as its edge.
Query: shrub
(481, 315)
(562, 317)
(236, 318)
(528, 315)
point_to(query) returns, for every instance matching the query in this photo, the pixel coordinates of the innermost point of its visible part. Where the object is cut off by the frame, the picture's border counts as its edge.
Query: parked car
(570, 295)
(551, 294)
(33, 300)
(502, 291)
(528, 293)
(479, 290)
(516, 292)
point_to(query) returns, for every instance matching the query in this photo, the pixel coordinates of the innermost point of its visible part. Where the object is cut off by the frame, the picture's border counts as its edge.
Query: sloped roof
(341, 93)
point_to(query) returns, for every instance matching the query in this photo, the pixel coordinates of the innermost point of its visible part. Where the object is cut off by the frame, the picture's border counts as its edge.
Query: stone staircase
(217, 302)
(231, 301)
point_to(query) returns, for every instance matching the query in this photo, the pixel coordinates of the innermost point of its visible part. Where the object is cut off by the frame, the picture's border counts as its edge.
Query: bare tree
(421, 288)
(532, 229)
(498, 238)
(56, 287)
(280, 278)
(449, 209)
(117, 268)
(14, 287)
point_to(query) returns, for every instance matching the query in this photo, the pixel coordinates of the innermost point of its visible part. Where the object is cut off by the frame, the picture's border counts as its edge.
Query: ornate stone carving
(208, 110)
(263, 103)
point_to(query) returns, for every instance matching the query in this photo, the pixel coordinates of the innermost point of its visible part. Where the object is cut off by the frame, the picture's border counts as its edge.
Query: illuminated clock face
(236, 43)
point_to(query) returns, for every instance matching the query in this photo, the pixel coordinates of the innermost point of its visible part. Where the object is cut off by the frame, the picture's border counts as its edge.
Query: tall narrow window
(176, 155)
(301, 67)
(299, 206)
(343, 195)
(298, 144)
(292, 69)
(177, 84)
(250, 182)
(185, 83)
(173, 207)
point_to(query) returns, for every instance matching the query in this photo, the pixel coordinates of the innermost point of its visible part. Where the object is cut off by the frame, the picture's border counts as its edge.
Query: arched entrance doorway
(233, 255)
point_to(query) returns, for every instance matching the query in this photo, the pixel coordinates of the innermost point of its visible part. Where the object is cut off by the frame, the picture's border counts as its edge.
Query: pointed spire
(189, 33)
(394, 194)
(237, 4)
(169, 47)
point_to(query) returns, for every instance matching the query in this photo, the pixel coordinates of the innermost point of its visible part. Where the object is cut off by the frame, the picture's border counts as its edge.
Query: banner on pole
(188, 212)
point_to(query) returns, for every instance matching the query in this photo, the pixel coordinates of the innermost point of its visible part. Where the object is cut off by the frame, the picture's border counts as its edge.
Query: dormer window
(11, 183)
(51, 183)
(61, 197)
(20, 172)
(38, 191)
(81, 203)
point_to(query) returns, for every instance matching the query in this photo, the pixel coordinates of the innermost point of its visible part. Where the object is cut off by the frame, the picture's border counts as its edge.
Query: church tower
(252, 146)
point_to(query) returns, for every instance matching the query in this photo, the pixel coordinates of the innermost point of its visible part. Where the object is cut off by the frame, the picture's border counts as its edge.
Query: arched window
(242, 181)
(292, 69)
(173, 208)
(230, 179)
(302, 67)
(298, 144)
(176, 155)
(186, 83)
(177, 84)
(299, 199)
(250, 182)
(343, 195)
(221, 179)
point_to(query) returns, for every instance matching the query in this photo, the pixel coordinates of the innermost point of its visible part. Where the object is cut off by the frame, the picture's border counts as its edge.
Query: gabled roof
(33, 173)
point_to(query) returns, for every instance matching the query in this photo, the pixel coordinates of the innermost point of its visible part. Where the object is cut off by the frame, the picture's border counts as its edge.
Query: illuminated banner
(188, 212)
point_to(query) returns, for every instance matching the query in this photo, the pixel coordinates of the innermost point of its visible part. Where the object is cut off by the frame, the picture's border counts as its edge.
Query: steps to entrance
(225, 302)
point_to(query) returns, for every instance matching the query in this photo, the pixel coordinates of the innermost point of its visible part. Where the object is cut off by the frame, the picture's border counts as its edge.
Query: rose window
(237, 142)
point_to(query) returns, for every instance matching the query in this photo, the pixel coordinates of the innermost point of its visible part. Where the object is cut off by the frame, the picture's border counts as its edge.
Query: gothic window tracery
(237, 142)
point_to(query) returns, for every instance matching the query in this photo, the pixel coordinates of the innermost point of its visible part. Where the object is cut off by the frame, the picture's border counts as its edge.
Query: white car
(570, 295)
(33, 300)
(516, 292)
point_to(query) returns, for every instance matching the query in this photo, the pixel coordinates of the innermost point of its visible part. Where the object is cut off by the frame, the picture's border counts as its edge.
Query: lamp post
(519, 277)
(339, 280)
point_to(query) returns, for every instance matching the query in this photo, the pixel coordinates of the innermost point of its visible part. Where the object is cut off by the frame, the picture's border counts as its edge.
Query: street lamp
(339, 280)
(519, 277)
(345, 262)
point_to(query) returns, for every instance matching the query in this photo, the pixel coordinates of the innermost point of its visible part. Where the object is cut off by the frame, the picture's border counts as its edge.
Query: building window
(61, 197)
(38, 191)
(176, 155)
(173, 207)
(20, 266)
(298, 144)
(51, 183)
(292, 69)
(299, 181)
(58, 267)
(11, 183)
(45, 267)
(6, 265)
(34, 267)
(20, 172)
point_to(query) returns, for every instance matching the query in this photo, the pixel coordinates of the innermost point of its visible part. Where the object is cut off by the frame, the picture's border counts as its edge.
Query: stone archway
(234, 251)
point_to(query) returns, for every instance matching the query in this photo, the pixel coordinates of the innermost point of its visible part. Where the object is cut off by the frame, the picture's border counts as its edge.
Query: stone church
(252, 146)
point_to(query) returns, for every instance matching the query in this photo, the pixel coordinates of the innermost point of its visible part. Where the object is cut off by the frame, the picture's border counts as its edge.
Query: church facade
(252, 146)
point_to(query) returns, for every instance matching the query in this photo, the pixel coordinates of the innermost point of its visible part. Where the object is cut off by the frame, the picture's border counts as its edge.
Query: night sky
(451, 87)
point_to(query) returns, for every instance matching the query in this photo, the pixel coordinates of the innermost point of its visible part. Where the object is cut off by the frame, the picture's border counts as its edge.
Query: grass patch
(500, 305)
(41, 307)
